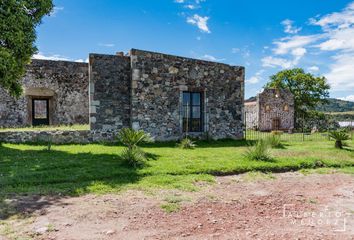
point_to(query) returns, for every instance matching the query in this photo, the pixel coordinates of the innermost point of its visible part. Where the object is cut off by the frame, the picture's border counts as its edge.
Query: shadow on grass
(26, 175)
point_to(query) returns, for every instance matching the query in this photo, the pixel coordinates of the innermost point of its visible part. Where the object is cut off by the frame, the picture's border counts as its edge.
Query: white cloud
(314, 69)
(179, 1)
(200, 22)
(339, 38)
(191, 6)
(341, 74)
(336, 20)
(287, 44)
(106, 45)
(299, 52)
(289, 28)
(235, 50)
(256, 78)
(211, 58)
(283, 63)
(348, 98)
(55, 11)
(55, 57)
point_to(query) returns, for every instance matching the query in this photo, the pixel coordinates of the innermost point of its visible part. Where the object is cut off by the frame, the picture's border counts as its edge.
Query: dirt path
(288, 206)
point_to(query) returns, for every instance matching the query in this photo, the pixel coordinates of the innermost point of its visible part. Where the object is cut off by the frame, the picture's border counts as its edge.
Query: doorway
(40, 112)
(276, 124)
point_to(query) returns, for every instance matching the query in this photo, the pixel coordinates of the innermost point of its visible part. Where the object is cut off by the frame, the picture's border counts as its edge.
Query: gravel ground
(250, 206)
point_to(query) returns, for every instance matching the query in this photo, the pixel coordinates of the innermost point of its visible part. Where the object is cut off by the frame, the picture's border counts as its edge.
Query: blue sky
(263, 36)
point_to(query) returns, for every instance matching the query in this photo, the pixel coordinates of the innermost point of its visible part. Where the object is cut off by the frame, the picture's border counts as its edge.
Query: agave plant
(131, 138)
(339, 136)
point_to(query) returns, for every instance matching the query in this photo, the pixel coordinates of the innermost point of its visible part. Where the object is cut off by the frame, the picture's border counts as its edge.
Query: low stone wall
(57, 137)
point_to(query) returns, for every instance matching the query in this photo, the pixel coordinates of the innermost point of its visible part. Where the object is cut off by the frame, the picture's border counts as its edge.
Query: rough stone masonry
(164, 95)
(145, 90)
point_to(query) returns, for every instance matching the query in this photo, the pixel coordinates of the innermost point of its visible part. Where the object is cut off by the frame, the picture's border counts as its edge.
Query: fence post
(245, 124)
(303, 128)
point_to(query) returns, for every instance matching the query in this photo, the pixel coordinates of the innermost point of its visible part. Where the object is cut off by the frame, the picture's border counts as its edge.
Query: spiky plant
(259, 152)
(274, 141)
(131, 138)
(187, 143)
(339, 137)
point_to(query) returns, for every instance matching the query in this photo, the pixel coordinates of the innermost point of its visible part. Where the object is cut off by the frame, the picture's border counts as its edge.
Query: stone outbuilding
(272, 109)
(161, 94)
(55, 93)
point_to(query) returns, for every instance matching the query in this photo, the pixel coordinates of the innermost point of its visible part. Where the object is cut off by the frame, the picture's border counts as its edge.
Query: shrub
(274, 141)
(187, 143)
(130, 138)
(135, 156)
(259, 152)
(277, 133)
(339, 136)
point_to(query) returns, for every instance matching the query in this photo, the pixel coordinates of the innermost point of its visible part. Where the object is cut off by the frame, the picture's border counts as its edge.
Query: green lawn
(294, 137)
(79, 169)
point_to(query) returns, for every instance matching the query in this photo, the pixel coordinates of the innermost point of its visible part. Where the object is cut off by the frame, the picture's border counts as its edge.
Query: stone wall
(158, 81)
(65, 83)
(276, 100)
(57, 137)
(110, 80)
(251, 115)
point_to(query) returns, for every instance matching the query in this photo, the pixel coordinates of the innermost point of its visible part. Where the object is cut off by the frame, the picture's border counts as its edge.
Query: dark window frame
(190, 117)
(40, 121)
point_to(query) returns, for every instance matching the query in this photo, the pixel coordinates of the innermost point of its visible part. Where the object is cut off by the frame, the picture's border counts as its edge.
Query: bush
(130, 138)
(259, 152)
(274, 141)
(277, 133)
(134, 157)
(339, 136)
(187, 143)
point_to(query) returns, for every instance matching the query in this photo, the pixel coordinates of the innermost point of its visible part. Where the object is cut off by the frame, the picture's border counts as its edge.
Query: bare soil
(286, 206)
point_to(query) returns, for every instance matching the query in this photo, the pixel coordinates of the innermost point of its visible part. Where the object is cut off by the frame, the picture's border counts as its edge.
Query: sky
(264, 36)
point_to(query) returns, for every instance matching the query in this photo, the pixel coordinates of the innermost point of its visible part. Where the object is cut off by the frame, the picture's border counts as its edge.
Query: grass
(77, 127)
(95, 168)
(171, 207)
(294, 137)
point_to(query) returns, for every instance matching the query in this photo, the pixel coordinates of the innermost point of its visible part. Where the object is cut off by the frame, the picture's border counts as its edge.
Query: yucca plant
(131, 138)
(339, 137)
(274, 141)
(259, 152)
(187, 143)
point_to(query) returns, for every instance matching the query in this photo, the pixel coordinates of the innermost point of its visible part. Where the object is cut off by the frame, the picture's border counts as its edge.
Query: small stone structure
(63, 84)
(145, 90)
(273, 109)
(164, 95)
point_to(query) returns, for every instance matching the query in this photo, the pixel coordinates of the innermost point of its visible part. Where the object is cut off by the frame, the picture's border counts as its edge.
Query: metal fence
(298, 128)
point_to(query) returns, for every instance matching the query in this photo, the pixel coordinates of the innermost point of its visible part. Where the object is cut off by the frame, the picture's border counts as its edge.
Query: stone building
(55, 92)
(273, 109)
(161, 94)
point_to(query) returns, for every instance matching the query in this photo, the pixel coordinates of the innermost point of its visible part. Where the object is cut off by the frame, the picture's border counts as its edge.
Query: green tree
(309, 91)
(18, 22)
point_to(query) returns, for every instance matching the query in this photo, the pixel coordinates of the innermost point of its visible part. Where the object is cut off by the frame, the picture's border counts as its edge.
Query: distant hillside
(336, 105)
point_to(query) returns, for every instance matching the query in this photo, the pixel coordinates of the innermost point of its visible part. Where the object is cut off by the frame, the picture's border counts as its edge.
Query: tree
(309, 91)
(18, 22)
